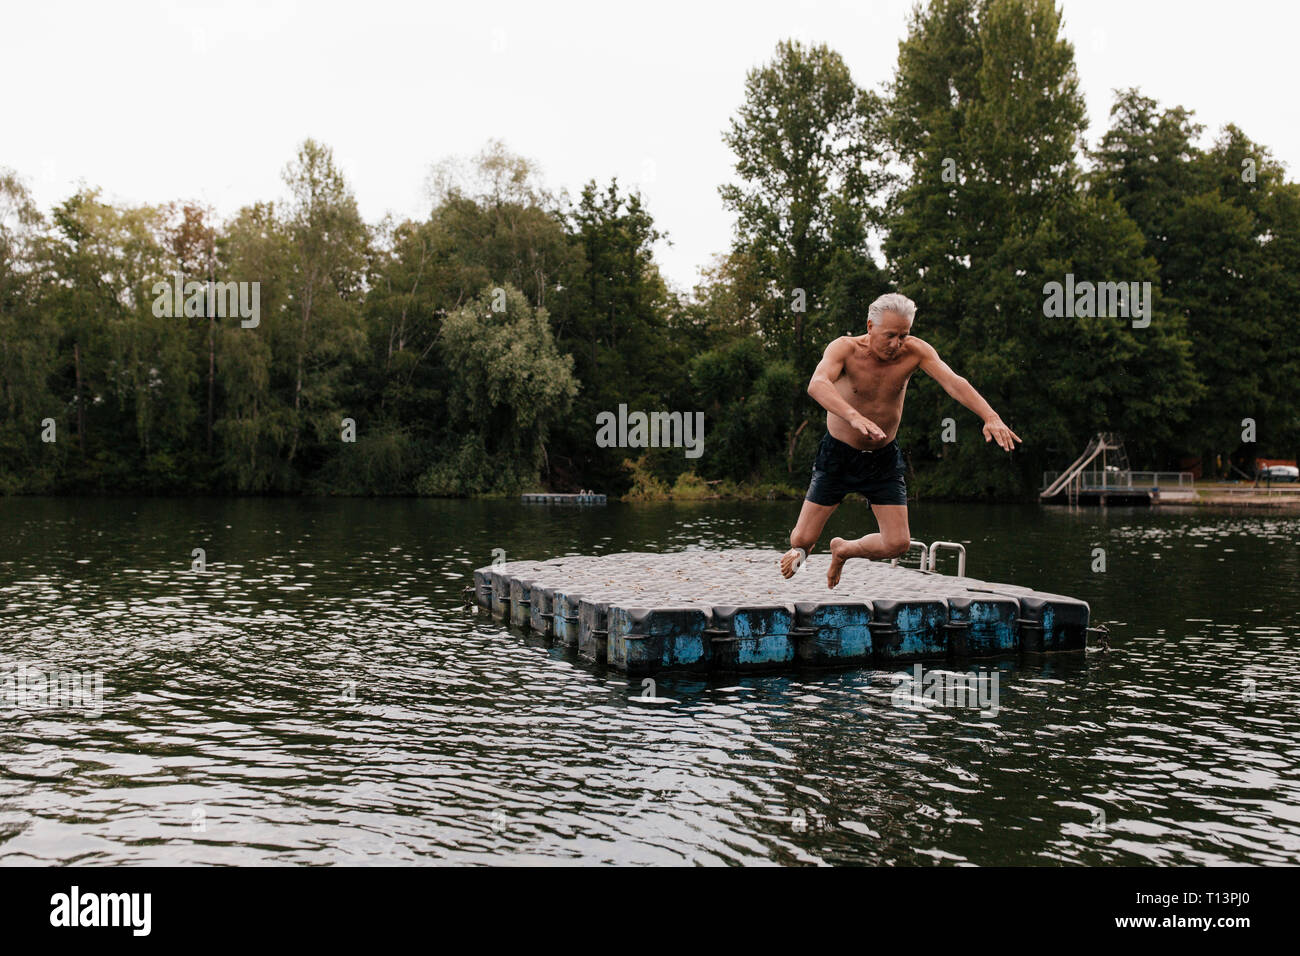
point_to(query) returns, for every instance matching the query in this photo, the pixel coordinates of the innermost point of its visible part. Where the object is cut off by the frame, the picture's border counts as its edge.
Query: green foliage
(614, 320)
(807, 141)
(987, 107)
(753, 405)
(467, 468)
(472, 349)
(691, 487)
(1220, 225)
(380, 462)
(645, 486)
(507, 386)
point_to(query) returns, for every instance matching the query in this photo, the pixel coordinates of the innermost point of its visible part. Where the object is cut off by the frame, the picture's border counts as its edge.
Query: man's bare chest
(870, 380)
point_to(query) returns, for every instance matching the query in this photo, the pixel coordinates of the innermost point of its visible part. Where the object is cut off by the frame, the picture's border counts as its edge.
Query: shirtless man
(861, 381)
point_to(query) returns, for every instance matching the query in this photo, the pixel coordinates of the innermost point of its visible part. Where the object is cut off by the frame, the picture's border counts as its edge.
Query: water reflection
(319, 695)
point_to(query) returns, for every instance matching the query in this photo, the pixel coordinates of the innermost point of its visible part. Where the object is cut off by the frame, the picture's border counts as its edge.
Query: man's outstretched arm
(822, 388)
(964, 392)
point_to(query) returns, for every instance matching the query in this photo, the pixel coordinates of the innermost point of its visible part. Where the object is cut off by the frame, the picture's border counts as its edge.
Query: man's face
(886, 336)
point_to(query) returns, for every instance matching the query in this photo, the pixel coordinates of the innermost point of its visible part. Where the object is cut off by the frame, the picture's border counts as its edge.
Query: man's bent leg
(812, 519)
(891, 541)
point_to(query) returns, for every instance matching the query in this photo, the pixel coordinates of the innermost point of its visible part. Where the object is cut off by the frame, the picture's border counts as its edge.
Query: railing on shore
(1124, 480)
(1245, 489)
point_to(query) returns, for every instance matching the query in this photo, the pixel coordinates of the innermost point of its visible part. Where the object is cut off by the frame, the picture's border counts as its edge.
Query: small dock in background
(1101, 476)
(544, 498)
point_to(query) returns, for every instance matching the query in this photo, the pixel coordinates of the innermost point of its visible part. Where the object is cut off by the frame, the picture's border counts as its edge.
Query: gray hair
(892, 302)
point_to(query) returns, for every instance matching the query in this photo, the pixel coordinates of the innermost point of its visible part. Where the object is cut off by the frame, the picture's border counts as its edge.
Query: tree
(256, 419)
(508, 386)
(1216, 222)
(29, 337)
(127, 372)
(1147, 160)
(501, 224)
(616, 328)
(986, 109)
(805, 139)
(191, 239)
(328, 241)
(748, 397)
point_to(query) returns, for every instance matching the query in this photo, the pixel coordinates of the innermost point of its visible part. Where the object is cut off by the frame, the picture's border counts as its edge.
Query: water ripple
(319, 695)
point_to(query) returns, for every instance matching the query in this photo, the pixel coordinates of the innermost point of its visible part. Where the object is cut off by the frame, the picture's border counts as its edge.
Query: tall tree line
(469, 352)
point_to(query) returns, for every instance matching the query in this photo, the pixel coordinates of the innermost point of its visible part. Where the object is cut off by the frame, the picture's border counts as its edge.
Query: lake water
(320, 695)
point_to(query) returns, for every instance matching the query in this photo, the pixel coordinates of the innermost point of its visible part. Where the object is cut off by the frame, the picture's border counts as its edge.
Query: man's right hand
(866, 426)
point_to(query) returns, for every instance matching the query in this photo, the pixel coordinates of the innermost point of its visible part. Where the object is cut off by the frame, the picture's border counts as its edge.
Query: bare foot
(792, 561)
(838, 556)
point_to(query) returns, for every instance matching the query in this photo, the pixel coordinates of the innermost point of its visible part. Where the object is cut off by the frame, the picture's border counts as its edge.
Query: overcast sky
(207, 101)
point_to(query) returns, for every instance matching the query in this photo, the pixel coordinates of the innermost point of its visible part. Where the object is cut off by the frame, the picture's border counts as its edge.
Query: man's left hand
(995, 430)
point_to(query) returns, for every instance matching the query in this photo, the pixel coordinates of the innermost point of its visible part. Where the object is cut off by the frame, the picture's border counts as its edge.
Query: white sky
(165, 101)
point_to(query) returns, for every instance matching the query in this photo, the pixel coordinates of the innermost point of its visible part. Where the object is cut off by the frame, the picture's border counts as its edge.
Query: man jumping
(860, 381)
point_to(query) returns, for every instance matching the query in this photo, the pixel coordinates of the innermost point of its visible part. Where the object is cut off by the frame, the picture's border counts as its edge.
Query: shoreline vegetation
(1141, 281)
(689, 486)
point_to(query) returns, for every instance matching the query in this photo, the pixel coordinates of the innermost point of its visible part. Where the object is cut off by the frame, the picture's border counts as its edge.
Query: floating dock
(732, 611)
(549, 499)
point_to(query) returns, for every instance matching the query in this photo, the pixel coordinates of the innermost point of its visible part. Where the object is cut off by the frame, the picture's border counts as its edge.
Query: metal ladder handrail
(959, 548)
(925, 553)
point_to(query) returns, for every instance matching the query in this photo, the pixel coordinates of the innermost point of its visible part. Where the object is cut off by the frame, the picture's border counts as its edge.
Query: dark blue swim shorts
(840, 469)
